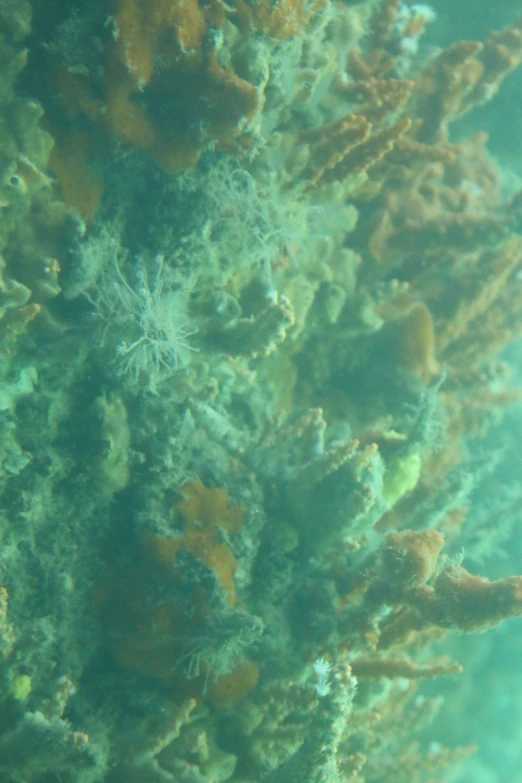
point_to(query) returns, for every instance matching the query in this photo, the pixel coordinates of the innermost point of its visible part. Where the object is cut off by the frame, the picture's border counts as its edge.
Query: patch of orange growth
(234, 686)
(468, 602)
(149, 31)
(75, 151)
(162, 91)
(148, 640)
(410, 557)
(411, 334)
(166, 92)
(152, 608)
(127, 120)
(419, 342)
(70, 162)
(217, 103)
(207, 514)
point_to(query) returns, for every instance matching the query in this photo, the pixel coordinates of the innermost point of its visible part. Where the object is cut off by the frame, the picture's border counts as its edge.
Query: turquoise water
(260, 296)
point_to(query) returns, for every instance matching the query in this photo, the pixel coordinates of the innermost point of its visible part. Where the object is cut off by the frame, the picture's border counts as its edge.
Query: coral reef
(255, 295)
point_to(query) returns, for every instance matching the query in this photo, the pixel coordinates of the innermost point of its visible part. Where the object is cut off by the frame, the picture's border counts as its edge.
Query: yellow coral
(401, 476)
(20, 687)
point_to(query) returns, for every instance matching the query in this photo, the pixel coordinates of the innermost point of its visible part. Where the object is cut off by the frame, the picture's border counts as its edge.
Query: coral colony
(253, 300)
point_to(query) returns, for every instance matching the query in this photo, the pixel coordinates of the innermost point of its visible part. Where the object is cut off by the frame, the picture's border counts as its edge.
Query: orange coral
(208, 515)
(381, 98)
(70, 161)
(410, 337)
(383, 22)
(162, 91)
(367, 154)
(483, 285)
(463, 76)
(470, 603)
(457, 599)
(410, 557)
(147, 29)
(151, 635)
(330, 143)
(144, 638)
(166, 91)
(232, 687)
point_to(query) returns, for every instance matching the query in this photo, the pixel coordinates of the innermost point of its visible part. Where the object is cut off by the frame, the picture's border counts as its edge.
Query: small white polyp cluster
(322, 668)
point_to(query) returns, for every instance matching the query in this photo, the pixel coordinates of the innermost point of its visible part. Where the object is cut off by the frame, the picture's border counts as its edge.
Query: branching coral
(317, 758)
(43, 742)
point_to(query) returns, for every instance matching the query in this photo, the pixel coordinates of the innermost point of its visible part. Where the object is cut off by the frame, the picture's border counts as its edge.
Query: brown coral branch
(383, 22)
(380, 98)
(493, 271)
(365, 155)
(410, 557)
(332, 142)
(368, 668)
(444, 87)
(461, 600)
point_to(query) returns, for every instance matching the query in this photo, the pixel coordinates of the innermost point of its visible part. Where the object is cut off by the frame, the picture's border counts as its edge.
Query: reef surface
(256, 298)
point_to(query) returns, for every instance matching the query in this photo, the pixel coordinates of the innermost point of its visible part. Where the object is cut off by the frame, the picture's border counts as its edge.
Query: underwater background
(260, 391)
